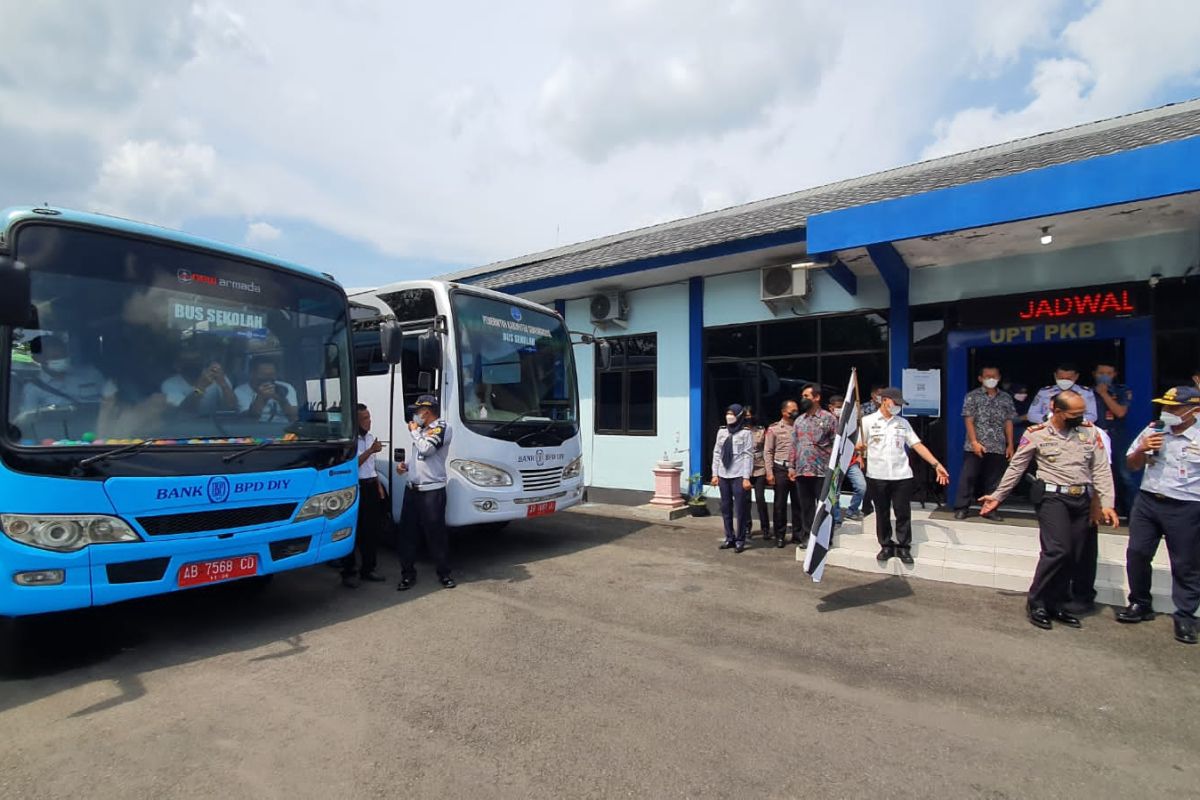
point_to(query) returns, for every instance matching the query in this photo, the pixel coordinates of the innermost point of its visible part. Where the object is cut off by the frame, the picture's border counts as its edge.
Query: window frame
(625, 371)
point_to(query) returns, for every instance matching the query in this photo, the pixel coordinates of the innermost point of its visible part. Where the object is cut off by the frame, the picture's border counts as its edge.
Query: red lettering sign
(1079, 305)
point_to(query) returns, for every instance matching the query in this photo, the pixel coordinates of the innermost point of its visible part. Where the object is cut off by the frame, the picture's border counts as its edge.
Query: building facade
(1080, 246)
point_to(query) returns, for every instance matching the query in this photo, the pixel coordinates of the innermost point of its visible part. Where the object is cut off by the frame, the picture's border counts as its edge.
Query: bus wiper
(250, 449)
(519, 418)
(107, 454)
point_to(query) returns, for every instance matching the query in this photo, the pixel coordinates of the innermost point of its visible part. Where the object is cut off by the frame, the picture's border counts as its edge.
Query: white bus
(503, 371)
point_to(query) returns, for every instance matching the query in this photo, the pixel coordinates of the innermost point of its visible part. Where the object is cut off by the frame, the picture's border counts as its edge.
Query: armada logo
(187, 276)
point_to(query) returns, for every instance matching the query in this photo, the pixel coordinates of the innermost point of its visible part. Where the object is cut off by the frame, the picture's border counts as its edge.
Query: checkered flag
(839, 462)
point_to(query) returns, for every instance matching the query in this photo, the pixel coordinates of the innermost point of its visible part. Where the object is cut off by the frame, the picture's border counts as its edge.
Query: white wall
(625, 462)
(732, 299)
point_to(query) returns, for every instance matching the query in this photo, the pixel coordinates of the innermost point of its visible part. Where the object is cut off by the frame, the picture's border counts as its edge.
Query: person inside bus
(62, 382)
(199, 385)
(266, 398)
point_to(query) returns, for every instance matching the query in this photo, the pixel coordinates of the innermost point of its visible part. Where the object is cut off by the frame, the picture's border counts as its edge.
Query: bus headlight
(481, 474)
(574, 469)
(65, 533)
(328, 504)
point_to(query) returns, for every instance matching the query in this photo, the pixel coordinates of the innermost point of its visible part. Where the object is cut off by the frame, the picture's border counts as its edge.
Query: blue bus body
(179, 485)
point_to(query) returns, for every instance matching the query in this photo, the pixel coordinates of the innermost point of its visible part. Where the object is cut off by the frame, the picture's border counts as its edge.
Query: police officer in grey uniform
(1072, 464)
(1167, 506)
(424, 513)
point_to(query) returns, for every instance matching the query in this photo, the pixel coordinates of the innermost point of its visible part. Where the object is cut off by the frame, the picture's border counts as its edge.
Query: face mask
(1020, 397)
(1105, 379)
(730, 419)
(58, 364)
(836, 411)
(417, 419)
(793, 414)
(991, 383)
(1064, 384)
(806, 405)
(1072, 422)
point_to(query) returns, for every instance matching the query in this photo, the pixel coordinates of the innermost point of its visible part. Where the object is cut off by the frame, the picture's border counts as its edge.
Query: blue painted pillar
(695, 375)
(561, 307)
(891, 266)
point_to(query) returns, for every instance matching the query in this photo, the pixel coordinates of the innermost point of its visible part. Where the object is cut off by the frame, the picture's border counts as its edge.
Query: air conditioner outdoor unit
(784, 282)
(609, 308)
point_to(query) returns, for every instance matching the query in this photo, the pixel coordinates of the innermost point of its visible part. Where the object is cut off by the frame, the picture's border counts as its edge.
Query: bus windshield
(138, 341)
(516, 368)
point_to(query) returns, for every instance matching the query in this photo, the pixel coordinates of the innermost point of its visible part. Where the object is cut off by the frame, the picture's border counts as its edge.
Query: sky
(381, 140)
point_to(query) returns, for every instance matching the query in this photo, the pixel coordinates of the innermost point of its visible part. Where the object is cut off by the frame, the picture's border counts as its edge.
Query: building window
(762, 365)
(627, 391)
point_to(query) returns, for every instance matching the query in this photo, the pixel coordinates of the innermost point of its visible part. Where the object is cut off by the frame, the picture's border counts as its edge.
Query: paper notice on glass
(922, 388)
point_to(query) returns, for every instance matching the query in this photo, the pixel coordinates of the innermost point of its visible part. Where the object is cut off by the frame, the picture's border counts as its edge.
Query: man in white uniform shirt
(371, 496)
(886, 438)
(266, 398)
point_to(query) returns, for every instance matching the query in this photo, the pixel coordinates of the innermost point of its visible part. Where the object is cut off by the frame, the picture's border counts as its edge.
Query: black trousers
(366, 533)
(1083, 576)
(896, 495)
(423, 519)
(1063, 524)
(980, 475)
(733, 501)
(758, 486)
(1178, 521)
(809, 490)
(785, 489)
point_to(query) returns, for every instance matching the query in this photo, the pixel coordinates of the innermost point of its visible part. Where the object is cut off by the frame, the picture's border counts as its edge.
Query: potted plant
(697, 504)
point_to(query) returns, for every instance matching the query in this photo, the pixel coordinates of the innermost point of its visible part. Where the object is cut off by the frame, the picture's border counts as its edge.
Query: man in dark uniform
(424, 512)
(1167, 506)
(1112, 405)
(1072, 464)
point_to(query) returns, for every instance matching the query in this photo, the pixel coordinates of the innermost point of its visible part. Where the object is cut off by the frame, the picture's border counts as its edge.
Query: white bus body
(506, 381)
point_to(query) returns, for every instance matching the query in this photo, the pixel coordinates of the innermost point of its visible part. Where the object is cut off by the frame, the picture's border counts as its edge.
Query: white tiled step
(990, 555)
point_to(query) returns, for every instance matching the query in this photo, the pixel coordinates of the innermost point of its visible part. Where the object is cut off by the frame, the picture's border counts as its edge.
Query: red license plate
(540, 509)
(221, 569)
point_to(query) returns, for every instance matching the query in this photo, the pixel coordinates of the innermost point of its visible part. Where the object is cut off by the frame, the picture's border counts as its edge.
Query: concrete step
(987, 554)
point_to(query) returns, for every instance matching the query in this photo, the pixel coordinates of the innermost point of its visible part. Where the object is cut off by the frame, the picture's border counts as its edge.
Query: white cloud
(1112, 60)
(160, 182)
(261, 233)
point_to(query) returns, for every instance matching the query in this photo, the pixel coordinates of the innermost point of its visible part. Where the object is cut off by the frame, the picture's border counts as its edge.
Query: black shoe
(994, 516)
(780, 542)
(1041, 618)
(1069, 620)
(962, 513)
(885, 553)
(405, 584)
(448, 582)
(349, 582)
(373, 577)
(905, 557)
(802, 544)
(1185, 630)
(725, 545)
(739, 547)
(1135, 612)
(856, 516)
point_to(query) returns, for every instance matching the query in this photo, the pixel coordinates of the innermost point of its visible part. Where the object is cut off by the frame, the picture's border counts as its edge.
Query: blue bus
(176, 413)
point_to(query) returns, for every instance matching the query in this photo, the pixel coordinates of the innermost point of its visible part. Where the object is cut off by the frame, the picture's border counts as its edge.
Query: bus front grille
(199, 521)
(538, 480)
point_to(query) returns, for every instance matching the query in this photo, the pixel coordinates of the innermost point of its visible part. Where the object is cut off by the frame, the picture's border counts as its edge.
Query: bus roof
(13, 215)
(359, 294)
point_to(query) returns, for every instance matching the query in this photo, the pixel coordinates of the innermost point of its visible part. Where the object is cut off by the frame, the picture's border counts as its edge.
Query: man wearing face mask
(1065, 378)
(62, 383)
(777, 454)
(1112, 404)
(886, 439)
(732, 466)
(1072, 465)
(1168, 505)
(988, 416)
(812, 443)
(424, 513)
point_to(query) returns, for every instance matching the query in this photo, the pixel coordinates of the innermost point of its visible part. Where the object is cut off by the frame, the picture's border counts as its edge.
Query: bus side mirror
(424, 382)
(429, 351)
(15, 293)
(604, 353)
(391, 341)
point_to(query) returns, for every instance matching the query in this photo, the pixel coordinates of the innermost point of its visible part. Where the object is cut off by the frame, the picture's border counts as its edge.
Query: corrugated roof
(791, 211)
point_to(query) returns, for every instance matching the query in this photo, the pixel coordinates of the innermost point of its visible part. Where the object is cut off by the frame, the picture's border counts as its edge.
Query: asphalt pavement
(590, 656)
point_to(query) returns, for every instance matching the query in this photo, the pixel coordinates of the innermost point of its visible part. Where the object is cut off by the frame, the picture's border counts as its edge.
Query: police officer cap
(893, 394)
(1179, 396)
(426, 401)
